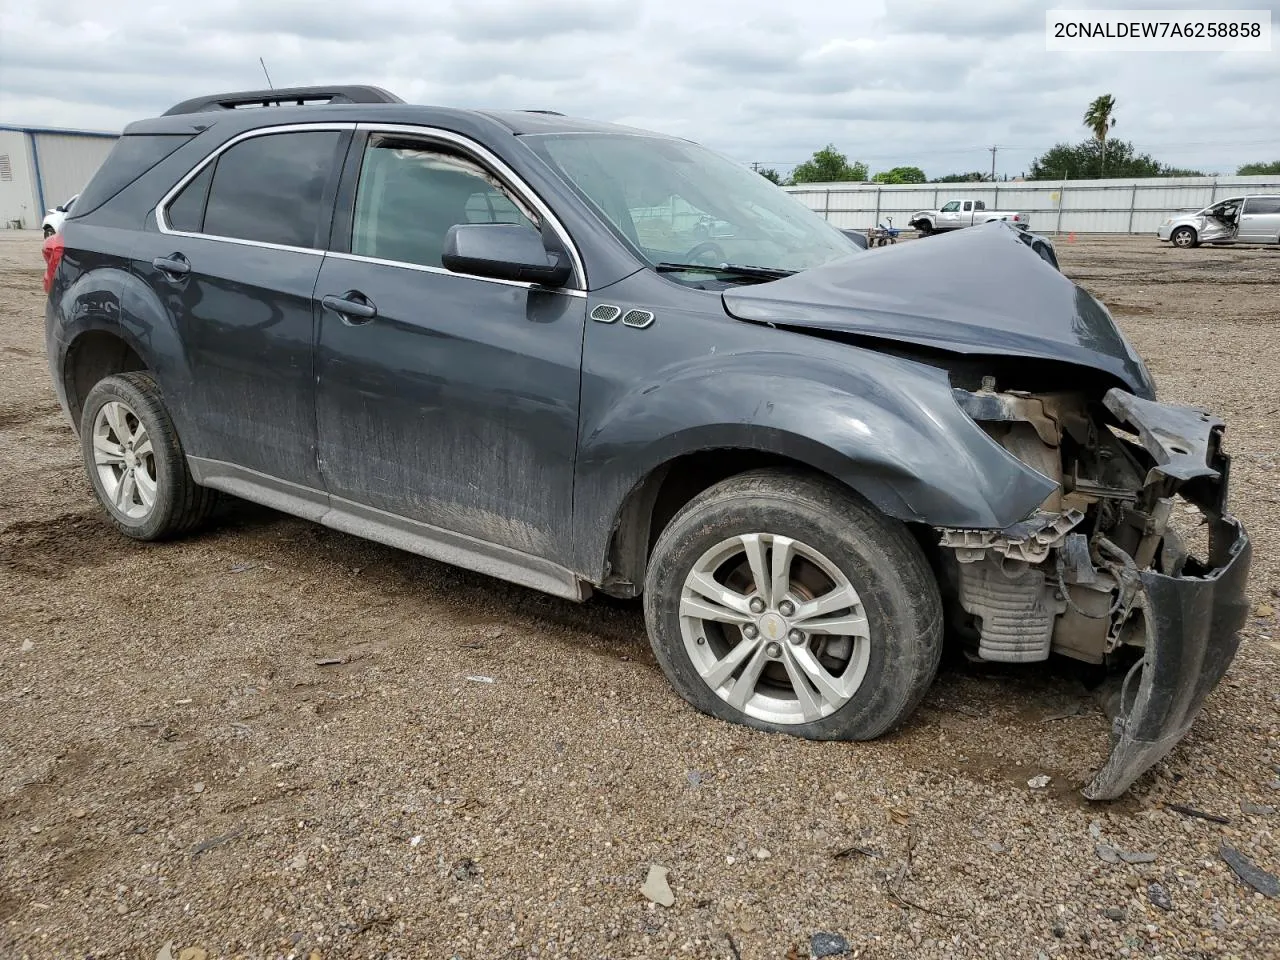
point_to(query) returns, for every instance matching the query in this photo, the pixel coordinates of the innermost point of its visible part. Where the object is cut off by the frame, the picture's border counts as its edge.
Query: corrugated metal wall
(65, 159)
(67, 162)
(17, 185)
(1071, 206)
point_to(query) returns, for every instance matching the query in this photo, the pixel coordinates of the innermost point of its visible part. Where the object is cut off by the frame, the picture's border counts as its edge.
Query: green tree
(1259, 169)
(900, 175)
(1180, 172)
(770, 174)
(828, 165)
(973, 176)
(1084, 161)
(1098, 118)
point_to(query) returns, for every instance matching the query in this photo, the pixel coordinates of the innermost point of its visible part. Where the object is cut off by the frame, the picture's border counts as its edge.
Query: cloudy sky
(926, 82)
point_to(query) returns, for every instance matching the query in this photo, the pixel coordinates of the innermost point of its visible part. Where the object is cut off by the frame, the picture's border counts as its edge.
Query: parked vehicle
(963, 212)
(1251, 219)
(54, 218)
(440, 329)
(857, 236)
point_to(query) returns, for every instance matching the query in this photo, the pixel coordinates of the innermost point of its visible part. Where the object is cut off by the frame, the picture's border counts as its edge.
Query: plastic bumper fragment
(1192, 627)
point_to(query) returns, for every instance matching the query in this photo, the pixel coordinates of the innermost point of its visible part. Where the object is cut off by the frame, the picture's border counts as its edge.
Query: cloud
(926, 82)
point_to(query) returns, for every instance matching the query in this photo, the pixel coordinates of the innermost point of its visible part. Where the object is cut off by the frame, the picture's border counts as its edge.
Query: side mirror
(60, 208)
(504, 251)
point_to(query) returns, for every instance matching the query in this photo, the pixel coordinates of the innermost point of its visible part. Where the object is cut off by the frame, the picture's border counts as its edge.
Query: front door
(949, 215)
(1220, 221)
(445, 398)
(235, 268)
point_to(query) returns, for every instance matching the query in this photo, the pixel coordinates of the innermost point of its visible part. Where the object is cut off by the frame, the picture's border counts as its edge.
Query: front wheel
(778, 600)
(925, 228)
(1184, 237)
(135, 460)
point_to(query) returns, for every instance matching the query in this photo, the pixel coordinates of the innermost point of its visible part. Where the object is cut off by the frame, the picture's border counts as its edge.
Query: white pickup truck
(955, 214)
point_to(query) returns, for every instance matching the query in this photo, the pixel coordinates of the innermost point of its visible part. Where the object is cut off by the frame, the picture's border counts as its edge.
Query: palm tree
(1098, 118)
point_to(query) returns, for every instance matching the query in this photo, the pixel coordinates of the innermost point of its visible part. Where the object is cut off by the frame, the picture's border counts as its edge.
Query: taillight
(1017, 217)
(52, 250)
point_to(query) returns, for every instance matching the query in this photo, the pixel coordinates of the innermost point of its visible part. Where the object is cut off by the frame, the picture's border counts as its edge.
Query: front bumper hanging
(1193, 619)
(1192, 625)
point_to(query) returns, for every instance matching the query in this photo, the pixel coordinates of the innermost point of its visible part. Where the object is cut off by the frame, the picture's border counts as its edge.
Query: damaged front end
(1106, 571)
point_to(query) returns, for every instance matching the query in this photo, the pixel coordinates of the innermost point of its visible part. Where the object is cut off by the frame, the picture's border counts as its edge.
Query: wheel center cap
(772, 626)
(130, 458)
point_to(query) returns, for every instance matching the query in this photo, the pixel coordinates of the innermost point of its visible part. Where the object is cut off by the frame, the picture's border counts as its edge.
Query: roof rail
(554, 113)
(284, 97)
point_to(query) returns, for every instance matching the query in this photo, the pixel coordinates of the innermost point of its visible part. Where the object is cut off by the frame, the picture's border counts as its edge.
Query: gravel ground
(178, 767)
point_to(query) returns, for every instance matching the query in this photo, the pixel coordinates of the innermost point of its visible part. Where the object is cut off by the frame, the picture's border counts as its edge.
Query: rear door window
(268, 189)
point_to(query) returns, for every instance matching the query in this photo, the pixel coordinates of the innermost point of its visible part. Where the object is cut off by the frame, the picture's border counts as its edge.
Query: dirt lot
(176, 766)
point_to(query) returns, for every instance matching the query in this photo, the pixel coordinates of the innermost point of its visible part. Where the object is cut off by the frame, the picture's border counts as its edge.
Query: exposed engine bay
(1099, 572)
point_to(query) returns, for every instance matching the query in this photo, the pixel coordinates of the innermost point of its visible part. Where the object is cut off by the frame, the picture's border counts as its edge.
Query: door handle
(173, 266)
(353, 306)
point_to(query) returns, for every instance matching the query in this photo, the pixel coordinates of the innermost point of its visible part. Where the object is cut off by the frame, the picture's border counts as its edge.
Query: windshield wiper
(734, 269)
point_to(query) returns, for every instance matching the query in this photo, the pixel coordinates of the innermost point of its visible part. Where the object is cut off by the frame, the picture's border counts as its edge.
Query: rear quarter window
(130, 158)
(1262, 205)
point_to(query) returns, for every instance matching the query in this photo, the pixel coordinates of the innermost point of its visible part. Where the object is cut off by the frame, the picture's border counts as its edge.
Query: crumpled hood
(980, 290)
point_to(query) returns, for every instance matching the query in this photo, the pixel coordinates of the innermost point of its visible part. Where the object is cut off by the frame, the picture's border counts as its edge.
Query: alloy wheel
(125, 460)
(775, 628)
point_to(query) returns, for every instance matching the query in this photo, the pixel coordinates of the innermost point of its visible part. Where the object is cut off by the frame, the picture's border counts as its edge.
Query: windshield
(679, 203)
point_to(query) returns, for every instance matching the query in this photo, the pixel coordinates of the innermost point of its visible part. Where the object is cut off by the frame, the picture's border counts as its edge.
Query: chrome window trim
(423, 268)
(513, 180)
(448, 136)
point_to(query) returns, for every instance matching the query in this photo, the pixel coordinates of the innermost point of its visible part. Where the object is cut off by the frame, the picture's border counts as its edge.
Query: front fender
(889, 428)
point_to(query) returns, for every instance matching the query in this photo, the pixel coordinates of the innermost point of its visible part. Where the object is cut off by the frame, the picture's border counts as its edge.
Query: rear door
(1260, 220)
(442, 397)
(234, 257)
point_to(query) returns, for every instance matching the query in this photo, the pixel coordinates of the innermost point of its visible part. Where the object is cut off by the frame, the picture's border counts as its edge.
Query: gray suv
(506, 340)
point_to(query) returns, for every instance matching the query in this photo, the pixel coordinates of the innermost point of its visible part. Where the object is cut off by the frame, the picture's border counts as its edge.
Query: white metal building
(41, 167)
(1056, 206)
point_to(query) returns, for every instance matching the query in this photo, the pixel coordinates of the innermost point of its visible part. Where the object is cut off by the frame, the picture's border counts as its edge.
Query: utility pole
(993, 148)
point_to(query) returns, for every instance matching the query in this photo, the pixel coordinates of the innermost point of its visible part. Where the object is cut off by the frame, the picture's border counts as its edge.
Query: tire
(873, 681)
(49, 232)
(925, 228)
(159, 500)
(1184, 238)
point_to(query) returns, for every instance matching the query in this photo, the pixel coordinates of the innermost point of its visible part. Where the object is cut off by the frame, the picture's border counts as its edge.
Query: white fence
(1064, 206)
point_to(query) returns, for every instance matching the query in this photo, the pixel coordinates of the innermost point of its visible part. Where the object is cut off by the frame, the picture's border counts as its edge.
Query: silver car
(1253, 219)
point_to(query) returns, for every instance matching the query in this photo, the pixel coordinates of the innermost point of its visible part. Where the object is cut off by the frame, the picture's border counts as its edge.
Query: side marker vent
(638, 319)
(606, 313)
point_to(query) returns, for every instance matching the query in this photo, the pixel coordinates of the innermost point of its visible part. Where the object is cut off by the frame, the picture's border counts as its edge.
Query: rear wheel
(1184, 237)
(778, 600)
(135, 460)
